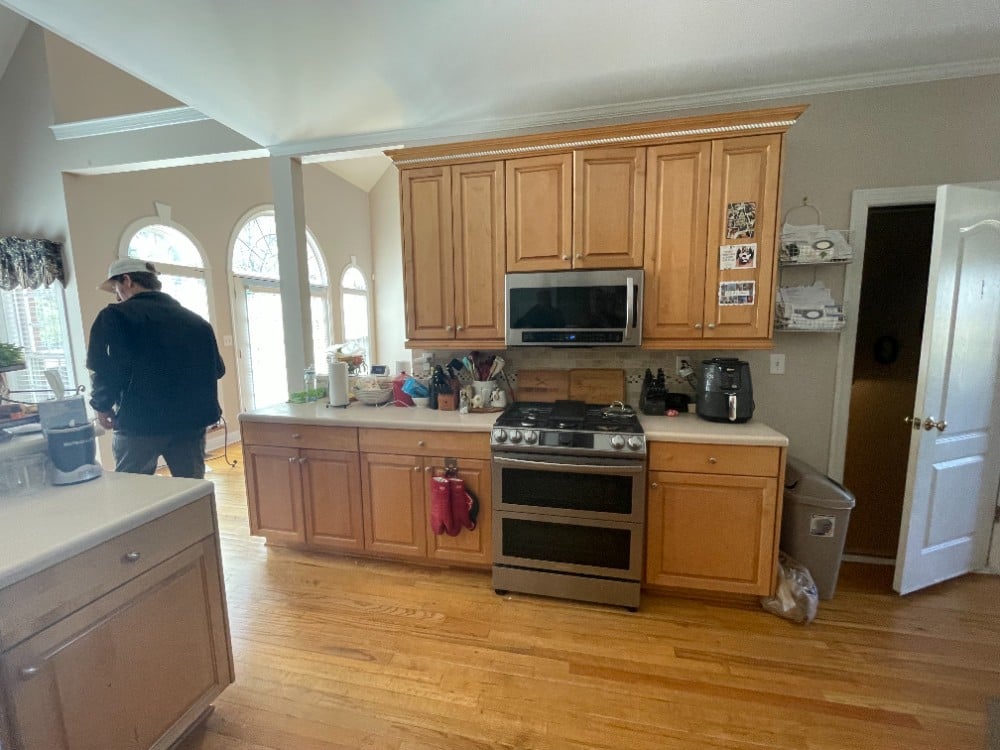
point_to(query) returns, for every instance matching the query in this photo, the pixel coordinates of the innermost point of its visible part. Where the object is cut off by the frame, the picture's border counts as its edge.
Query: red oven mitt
(441, 516)
(461, 506)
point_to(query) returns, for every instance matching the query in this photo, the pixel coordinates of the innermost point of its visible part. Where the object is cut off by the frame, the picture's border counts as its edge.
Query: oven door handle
(575, 468)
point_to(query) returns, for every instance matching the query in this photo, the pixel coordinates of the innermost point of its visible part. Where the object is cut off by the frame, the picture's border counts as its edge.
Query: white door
(954, 464)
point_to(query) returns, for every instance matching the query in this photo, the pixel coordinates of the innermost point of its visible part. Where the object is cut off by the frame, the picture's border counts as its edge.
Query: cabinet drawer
(704, 458)
(40, 600)
(425, 443)
(300, 436)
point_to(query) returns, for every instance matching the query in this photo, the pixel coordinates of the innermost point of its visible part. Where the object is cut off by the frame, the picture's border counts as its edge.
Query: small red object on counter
(672, 412)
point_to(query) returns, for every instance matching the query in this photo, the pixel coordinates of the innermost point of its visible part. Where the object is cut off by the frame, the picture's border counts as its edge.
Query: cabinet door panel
(677, 190)
(332, 494)
(393, 492)
(608, 207)
(274, 493)
(539, 213)
(475, 546)
(124, 670)
(428, 262)
(744, 171)
(479, 241)
(711, 532)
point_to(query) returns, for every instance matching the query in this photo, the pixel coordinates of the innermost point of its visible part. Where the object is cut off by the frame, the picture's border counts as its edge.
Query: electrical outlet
(682, 362)
(777, 364)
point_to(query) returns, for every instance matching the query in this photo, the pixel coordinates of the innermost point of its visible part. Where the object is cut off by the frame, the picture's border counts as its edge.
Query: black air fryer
(725, 393)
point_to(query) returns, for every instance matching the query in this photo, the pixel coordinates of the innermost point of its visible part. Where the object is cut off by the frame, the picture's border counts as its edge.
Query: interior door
(954, 463)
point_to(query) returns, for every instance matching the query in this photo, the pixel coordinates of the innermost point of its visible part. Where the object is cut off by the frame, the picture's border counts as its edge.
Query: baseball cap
(126, 265)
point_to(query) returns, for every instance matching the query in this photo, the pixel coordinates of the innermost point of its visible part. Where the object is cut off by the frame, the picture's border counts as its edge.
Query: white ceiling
(316, 76)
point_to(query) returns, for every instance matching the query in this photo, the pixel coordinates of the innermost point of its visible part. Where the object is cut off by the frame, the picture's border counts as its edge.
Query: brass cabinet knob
(421, 443)
(713, 460)
(26, 673)
(697, 325)
(296, 436)
(654, 485)
(131, 557)
(711, 325)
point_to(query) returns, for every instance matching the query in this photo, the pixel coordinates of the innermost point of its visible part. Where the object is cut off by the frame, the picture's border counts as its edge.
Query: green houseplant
(11, 355)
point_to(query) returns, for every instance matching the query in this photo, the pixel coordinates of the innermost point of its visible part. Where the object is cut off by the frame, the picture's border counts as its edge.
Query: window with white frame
(179, 262)
(35, 319)
(354, 303)
(263, 379)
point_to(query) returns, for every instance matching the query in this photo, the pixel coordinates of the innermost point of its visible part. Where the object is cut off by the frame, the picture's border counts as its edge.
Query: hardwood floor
(335, 652)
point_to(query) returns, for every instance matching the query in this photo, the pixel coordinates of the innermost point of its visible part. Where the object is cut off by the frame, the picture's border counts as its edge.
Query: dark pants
(184, 453)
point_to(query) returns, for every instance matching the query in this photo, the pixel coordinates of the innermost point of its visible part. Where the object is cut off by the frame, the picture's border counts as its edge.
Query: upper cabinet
(579, 210)
(692, 201)
(710, 243)
(453, 254)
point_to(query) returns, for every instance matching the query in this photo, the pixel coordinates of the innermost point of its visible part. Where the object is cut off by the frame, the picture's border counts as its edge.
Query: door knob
(930, 424)
(914, 422)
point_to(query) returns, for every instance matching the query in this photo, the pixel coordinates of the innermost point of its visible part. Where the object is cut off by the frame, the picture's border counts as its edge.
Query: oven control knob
(530, 437)
(635, 443)
(500, 435)
(515, 436)
(617, 442)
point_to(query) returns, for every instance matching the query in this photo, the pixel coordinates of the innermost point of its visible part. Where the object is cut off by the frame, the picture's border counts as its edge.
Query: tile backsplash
(633, 361)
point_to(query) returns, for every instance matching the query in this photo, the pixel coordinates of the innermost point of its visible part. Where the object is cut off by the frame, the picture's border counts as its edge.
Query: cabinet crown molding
(703, 127)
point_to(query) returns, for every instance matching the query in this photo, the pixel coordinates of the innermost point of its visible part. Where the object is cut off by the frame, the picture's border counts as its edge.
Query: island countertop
(685, 428)
(49, 526)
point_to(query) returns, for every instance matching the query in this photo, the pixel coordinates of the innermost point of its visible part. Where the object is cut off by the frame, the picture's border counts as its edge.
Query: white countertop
(363, 415)
(55, 523)
(688, 428)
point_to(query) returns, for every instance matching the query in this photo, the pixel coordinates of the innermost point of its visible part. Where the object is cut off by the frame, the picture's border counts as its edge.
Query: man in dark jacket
(154, 365)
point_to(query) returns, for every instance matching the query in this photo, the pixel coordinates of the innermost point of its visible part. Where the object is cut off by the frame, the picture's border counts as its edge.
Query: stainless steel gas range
(569, 494)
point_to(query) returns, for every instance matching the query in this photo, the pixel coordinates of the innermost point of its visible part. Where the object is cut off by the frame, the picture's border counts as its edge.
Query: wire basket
(373, 397)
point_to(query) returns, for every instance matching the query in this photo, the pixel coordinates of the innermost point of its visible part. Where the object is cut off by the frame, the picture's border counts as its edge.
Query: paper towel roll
(339, 393)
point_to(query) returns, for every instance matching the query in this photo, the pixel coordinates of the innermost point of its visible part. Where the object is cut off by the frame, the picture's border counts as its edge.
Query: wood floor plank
(337, 652)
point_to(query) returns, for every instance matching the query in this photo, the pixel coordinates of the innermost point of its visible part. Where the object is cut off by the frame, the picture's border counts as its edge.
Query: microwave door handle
(629, 302)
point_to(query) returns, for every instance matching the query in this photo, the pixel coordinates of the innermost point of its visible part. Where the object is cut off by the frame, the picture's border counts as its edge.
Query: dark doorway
(886, 362)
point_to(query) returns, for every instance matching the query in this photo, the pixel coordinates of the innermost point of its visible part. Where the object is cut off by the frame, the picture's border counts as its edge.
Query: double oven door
(579, 515)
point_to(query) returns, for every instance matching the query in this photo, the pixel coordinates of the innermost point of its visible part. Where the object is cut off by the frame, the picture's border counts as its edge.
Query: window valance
(30, 264)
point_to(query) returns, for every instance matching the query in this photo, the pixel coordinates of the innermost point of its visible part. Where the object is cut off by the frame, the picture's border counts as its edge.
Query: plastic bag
(414, 388)
(796, 597)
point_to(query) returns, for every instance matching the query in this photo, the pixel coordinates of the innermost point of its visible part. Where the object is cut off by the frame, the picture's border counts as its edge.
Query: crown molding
(511, 126)
(124, 123)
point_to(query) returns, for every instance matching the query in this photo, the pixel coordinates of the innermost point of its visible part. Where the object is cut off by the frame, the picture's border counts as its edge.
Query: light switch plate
(777, 364)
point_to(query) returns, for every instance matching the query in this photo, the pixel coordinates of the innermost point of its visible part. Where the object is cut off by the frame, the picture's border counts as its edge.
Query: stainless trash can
(814, 523)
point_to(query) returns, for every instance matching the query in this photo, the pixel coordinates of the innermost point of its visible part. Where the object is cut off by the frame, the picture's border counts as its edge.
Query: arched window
(354, 304)
(179, 261)
(259, 321)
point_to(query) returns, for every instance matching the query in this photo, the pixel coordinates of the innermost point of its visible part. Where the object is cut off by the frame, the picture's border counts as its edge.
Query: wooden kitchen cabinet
(453, 254)
(140, 661)
(690, 189)
(396, 474)
(579, 210)
(713, 517)
(303, 495)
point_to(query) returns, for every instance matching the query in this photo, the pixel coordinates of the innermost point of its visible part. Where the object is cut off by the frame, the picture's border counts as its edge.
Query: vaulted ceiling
(327, 75)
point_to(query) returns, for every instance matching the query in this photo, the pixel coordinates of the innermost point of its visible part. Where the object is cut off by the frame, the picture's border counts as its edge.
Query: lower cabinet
(135, 667)
(714, 516)
(371, 497)
(303, 495)
(397, 502)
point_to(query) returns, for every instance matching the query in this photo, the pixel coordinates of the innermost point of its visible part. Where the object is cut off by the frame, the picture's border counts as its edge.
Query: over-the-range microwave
(574, 308)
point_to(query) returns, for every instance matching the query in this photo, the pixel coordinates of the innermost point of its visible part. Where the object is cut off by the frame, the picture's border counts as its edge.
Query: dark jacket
(158, 363)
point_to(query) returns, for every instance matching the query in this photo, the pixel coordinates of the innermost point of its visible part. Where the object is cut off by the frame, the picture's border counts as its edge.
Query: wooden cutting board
(542, 385)
(597, 386)
(594, 386)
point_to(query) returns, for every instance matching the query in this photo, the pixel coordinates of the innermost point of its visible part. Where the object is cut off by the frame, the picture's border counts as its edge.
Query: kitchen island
(356, 480)
(113, 623)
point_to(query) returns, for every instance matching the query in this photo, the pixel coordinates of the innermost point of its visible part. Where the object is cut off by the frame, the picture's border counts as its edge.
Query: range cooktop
(565, 426)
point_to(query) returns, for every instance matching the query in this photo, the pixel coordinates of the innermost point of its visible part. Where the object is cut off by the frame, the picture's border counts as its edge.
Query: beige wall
(107, 92)
(387, 255)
